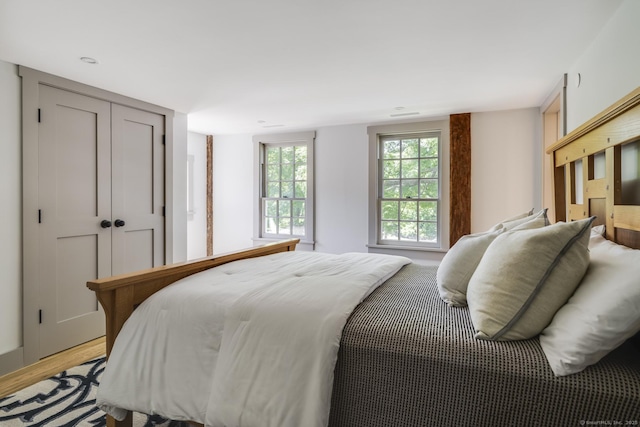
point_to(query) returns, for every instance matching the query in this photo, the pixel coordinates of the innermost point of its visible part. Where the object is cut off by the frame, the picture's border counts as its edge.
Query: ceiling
(257, 66)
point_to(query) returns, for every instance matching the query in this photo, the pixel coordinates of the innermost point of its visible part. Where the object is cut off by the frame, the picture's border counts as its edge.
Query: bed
(406, 358)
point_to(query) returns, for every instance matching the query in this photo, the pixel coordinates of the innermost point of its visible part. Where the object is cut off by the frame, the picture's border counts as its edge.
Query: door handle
(119, 223)
(105, 223)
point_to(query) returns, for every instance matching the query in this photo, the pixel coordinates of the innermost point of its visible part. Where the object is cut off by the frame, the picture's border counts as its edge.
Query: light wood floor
(50, 366)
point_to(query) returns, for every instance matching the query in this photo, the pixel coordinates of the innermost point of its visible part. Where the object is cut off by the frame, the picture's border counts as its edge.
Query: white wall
(609, 68)
(232, 192)
(11, 211)
(342, 180)
(341, 188)
(506, 165)
(197, 217)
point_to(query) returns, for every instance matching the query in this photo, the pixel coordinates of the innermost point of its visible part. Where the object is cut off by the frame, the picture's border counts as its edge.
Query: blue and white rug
(67, 399)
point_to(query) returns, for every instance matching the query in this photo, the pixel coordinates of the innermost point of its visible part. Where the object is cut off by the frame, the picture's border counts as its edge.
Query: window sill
(307, 245)
(406, 248)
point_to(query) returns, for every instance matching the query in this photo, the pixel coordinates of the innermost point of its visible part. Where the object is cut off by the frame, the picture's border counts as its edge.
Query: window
(284, 199)
(409, 188)
(408, 192)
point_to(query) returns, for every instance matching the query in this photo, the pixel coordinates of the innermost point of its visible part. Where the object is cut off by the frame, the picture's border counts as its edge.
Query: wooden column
(209, 195)
(460, 177)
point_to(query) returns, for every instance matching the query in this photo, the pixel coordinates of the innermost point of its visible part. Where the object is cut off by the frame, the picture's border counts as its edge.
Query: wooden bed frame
(601, 196)
(605, 133)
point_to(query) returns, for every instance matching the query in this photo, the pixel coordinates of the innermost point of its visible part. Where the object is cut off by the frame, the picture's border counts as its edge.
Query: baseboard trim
(11, 361)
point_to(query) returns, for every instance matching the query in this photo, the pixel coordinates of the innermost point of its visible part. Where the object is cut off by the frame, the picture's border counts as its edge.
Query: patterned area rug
(67, 399)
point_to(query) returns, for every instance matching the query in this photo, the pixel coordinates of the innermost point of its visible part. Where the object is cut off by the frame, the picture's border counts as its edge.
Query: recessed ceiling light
(399, 108)
(89, 60)
(273, 126)
(261, 121)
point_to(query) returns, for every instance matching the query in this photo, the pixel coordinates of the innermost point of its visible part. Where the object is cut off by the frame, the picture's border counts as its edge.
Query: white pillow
(458, 265)
(603, 312)
(460, 262)
(524, 277)
(513, 218)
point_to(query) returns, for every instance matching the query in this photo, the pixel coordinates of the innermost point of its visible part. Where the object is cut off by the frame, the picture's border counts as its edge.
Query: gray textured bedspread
(408, 359)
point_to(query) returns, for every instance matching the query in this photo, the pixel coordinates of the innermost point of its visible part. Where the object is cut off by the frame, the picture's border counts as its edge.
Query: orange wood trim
(209, 195)
(460, 177)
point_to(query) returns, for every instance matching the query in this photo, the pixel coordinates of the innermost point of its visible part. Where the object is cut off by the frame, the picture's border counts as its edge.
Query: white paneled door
(100, 200)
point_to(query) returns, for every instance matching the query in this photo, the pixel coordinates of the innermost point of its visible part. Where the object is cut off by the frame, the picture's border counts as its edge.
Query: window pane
(429, 168)
(284, 208)
(409, 188)
(389, 230)
(287, 154)
(287, 189)
(389, 210)
(273, 172)
(273, 189)
(301, 154)
(410, 168)
(301, 171)
(428, 232)
(428, 211)
(429, 188)
(391, 189)
(298, 226)
(287, 172)
(428, 147)
(410, 148)
(298, 208)
(270, 226)
(409, 211)
(391, 149)
(271, 207)
(301, 189)
(390, 169)
(284, 226)
(273, 155)
(409, 231)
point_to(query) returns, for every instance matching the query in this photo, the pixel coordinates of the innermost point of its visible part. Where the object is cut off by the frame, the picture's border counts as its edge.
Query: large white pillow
(461, 260)
(524, 277)
(602, 313)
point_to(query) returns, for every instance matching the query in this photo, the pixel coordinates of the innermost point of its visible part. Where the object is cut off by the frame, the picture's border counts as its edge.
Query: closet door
(74, 197)
(138, 189)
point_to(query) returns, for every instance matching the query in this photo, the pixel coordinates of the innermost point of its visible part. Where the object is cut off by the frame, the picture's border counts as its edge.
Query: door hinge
(39, 216)
(164, 211)
(40, 316)
(164, 139)
(39, 115)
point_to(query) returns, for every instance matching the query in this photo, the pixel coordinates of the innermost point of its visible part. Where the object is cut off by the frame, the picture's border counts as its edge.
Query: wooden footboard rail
(120, 295)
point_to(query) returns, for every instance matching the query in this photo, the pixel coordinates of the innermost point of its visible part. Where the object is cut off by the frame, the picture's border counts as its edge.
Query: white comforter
(250, 343)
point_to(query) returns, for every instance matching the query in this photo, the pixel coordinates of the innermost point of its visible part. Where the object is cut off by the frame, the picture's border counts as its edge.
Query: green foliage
(390, 230)
(428, 147)
(428, 231)
(389, 210)
(287, 154)
(410, 148)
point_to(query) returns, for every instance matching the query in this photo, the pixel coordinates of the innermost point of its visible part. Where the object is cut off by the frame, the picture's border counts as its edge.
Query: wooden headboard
(607, 150)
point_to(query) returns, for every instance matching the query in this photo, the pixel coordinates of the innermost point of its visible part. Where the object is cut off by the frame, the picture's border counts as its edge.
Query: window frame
(376, 133)
(261, 143)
